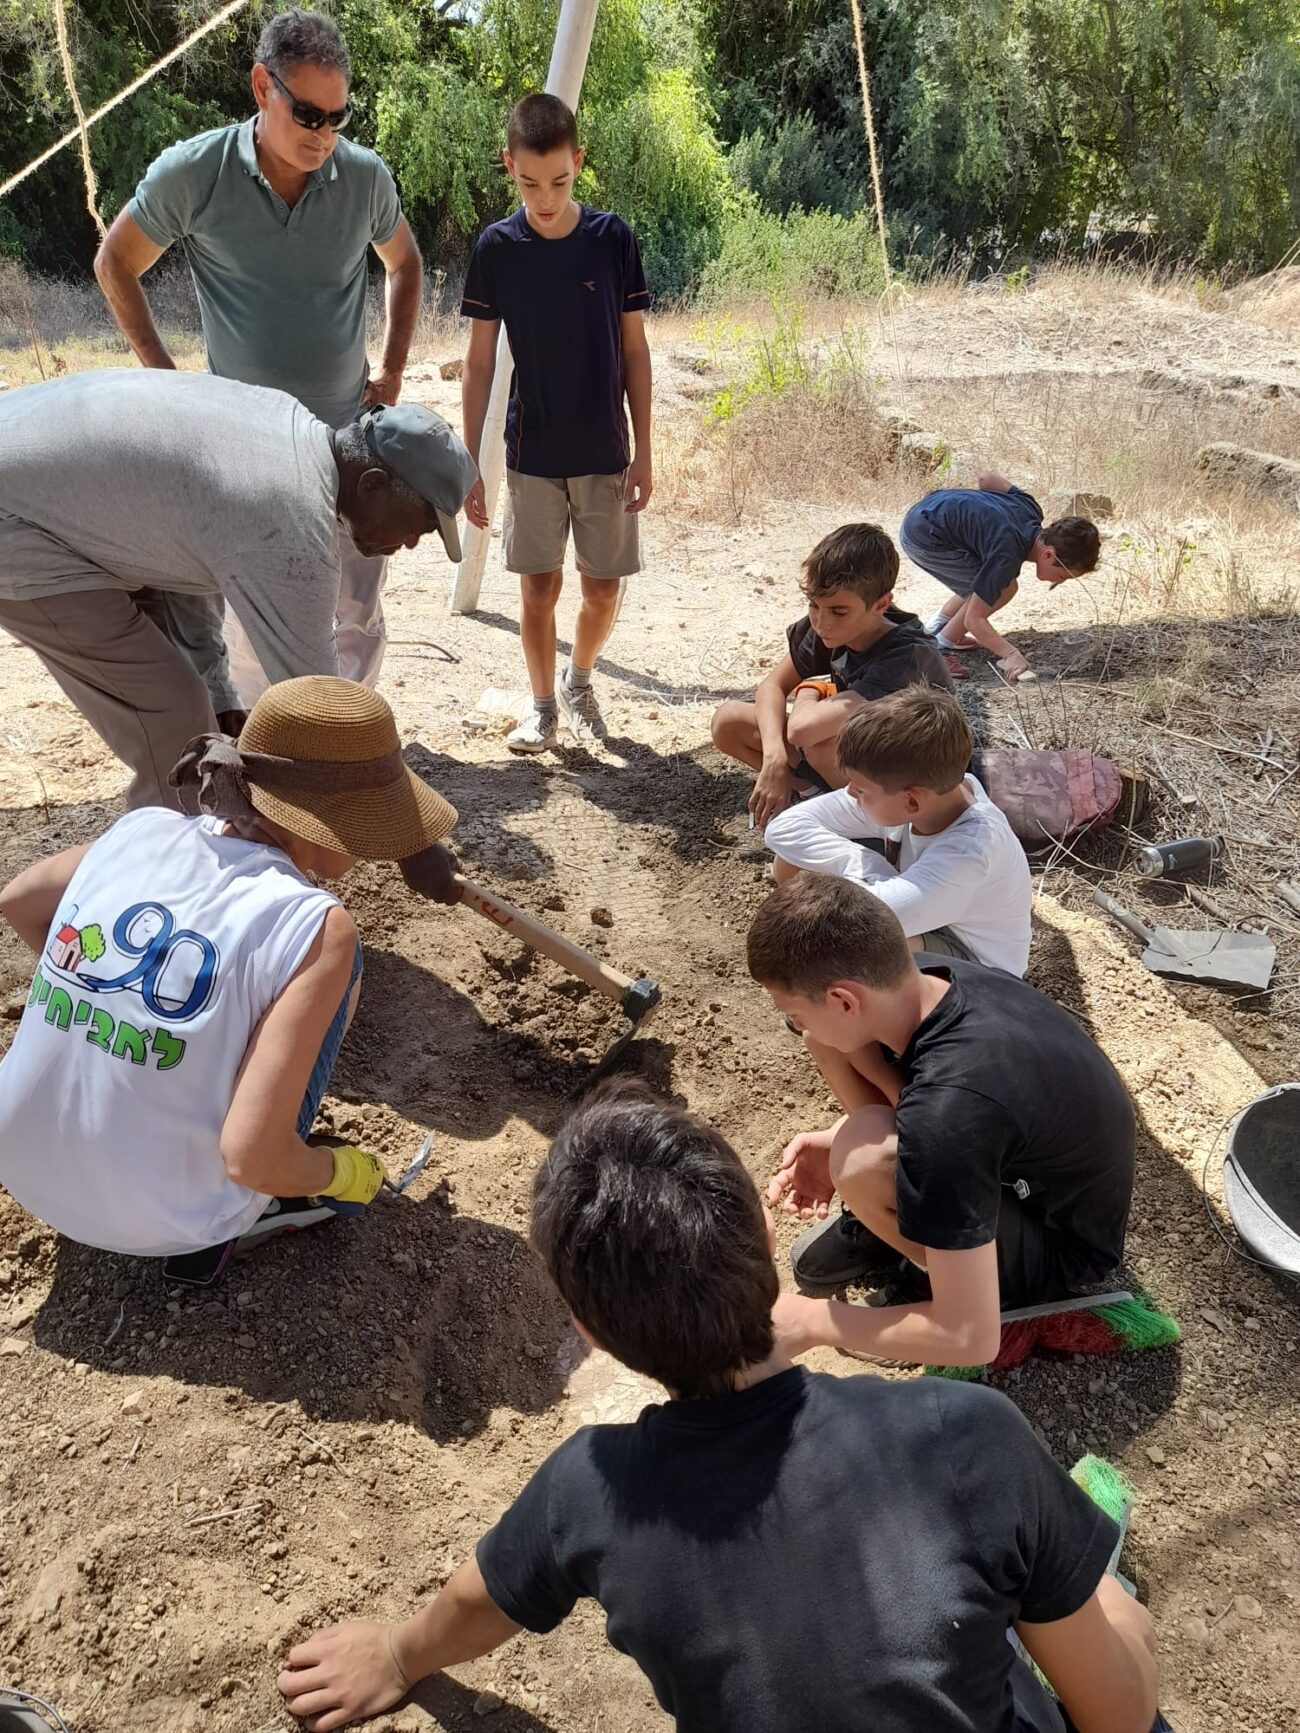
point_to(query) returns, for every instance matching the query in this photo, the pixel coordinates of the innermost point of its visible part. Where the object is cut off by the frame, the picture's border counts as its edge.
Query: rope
(869, 124)
(227, 11)
(65, 55)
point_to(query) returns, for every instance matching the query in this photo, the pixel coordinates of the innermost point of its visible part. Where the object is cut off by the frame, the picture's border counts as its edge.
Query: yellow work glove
(357, 1176)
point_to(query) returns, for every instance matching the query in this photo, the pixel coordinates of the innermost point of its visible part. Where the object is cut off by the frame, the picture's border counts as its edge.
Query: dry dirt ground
(188, 1484)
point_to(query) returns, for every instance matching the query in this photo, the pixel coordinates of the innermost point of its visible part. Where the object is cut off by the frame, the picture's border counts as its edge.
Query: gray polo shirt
(282, 292)
(133, 477)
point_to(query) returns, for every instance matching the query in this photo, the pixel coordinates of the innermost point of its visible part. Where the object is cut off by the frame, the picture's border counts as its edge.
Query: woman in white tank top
(194, 985)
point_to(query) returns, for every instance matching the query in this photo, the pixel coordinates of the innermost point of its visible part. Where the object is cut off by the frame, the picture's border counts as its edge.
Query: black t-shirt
(1002, 1087)
(903, 656)
(813, 1553)
(563, 303)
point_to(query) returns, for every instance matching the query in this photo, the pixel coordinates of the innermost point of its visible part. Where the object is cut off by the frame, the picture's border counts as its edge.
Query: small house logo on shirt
(171, 970)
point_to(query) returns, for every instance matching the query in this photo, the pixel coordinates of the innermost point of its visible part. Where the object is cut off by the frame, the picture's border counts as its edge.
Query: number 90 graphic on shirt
(175, 971)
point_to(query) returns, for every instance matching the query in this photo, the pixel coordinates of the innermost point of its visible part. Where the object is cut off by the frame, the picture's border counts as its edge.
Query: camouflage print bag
(1049, 797)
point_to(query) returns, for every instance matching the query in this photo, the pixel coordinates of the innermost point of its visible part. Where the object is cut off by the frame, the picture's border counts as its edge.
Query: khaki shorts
(539, 510)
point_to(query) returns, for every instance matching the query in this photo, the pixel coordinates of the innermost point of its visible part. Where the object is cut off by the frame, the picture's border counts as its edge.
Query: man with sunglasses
(275, 216)
(974, 540)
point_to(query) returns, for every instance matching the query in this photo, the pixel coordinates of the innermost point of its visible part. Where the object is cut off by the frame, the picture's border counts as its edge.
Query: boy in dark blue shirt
(568, 284)
(975, 540)
(778, 1550)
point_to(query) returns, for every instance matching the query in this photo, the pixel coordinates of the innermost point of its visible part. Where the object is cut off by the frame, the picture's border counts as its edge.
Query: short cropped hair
(541, 124)
(915, 738)
(351, 444)
(653, 1232)
(1076, 542)
(857, 557)
(819, 929)
(298, 38)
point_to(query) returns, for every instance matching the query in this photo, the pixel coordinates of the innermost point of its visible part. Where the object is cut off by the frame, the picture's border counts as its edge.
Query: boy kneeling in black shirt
(985, 1136)
(778, 1550)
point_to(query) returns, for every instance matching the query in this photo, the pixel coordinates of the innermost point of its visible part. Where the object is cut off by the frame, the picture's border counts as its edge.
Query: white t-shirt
(972, 878)
(170, 944)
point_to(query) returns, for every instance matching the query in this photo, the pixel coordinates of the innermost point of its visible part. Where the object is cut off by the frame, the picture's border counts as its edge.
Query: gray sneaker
(538, 731)
(581, 712)
(839, 1250)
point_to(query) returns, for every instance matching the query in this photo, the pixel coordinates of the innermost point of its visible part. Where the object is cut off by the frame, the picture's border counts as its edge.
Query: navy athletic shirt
(562, 302)
(972, 539)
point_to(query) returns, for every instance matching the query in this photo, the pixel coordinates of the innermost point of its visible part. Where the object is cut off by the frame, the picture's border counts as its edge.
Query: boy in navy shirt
(778, 1550)
(568, 283)
(975, 540)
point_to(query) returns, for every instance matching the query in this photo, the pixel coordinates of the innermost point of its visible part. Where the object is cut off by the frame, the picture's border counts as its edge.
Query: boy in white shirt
(955, 876)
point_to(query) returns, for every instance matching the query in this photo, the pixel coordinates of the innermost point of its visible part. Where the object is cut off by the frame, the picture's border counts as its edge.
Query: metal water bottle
(1168, 859)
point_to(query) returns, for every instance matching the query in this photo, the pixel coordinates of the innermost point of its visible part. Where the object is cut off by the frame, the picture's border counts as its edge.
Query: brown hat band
(213, 776)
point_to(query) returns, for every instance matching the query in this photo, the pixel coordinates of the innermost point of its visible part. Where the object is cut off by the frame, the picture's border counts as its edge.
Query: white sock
(936, 623)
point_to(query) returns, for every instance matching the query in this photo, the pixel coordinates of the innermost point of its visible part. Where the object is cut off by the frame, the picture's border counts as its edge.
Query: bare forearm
(914, 1333)
(403, 293)
(769, 712)
(130, 308)
(460, 1625)
(284, 1167)
(638, 379)
(814, 719)
(475, 391)
(986, 634)
(1132, 1624)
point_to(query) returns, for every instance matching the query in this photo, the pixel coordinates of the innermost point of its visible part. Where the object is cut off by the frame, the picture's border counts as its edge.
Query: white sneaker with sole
(536, 733)
(582, 713)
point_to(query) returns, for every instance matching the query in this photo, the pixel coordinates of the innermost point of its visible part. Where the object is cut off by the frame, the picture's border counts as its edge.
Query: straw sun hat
(320, 757)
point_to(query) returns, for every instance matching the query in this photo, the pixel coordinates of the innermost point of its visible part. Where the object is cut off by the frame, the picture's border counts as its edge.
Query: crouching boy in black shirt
(985, 1136)
(778, 1550)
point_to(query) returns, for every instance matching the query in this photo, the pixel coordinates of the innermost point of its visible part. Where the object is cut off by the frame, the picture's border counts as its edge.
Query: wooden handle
(545, 939)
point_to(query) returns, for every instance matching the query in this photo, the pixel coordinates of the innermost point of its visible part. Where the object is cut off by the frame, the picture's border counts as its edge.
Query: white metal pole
(563, 79)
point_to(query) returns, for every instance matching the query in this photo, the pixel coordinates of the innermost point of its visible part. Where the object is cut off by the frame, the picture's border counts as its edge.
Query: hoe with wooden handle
(636, 999)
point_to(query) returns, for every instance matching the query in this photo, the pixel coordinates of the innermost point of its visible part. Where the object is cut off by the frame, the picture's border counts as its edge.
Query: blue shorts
(318, 1082)
(955, 568)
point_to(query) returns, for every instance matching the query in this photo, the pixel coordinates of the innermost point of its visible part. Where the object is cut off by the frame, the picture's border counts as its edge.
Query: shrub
(805, 255)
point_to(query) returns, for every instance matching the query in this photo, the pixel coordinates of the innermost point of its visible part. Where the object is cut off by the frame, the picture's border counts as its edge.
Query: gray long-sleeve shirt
(180, 482)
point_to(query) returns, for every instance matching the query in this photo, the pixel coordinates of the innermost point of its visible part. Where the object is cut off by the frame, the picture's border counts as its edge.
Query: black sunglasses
(308, 115)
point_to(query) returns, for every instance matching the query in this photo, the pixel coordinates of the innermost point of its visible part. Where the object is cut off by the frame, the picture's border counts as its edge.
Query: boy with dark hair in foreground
(986, 1138)
(974, 540)
(778, 1550)
(853, 645)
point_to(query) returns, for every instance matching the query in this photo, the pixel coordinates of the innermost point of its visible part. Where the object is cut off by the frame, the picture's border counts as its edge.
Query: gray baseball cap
(418, 446)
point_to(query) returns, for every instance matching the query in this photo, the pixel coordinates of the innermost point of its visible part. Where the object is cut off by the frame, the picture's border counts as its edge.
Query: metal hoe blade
(1216, 958)
(416, 1168)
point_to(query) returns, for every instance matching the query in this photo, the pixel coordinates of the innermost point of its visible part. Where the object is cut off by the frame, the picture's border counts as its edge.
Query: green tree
(92, 942)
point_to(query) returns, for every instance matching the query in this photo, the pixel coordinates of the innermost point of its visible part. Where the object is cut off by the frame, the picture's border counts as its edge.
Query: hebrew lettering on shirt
(169, 1049)
(131, 1043)
(122, 1040)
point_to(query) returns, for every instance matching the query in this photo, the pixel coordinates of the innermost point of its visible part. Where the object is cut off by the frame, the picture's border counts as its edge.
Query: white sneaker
(535, 733)
(582, 713)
